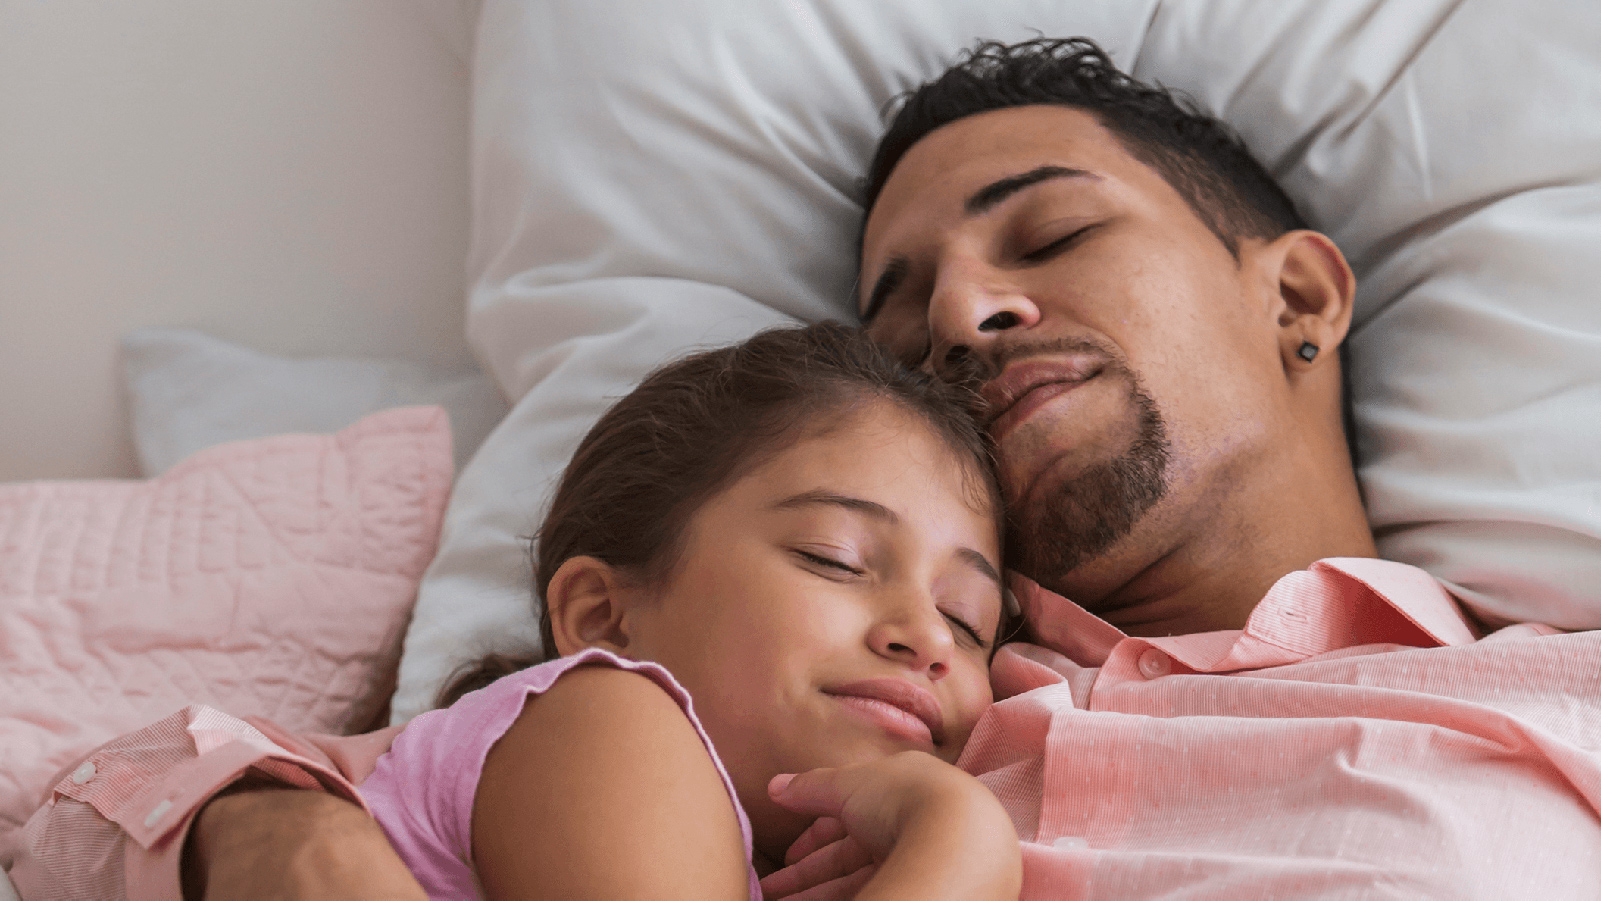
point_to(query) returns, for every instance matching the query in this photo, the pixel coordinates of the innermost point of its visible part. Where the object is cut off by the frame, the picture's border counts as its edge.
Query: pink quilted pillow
(270, 577)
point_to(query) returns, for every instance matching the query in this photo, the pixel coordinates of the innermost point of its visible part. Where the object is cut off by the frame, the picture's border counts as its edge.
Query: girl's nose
(919, 639)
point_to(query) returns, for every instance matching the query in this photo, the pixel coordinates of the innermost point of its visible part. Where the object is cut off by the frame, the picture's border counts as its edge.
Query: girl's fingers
(832, 866)
(822, 831)
(818, 792)
(843, 889)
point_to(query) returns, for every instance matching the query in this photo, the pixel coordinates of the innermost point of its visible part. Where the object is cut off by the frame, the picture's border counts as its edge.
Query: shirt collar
(1335, 604)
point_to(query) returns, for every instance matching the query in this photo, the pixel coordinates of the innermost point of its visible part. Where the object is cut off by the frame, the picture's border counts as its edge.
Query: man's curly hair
(1202, 158)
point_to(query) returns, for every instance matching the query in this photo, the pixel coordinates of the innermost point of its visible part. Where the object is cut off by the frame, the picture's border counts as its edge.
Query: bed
(288, 194)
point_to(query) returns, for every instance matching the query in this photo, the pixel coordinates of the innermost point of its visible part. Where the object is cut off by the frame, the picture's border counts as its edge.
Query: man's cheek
(905, 339)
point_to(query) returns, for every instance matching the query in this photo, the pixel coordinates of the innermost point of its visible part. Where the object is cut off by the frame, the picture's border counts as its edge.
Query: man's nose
(973, 305)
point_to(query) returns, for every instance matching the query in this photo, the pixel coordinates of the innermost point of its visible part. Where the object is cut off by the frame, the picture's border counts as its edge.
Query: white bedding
(667, 173)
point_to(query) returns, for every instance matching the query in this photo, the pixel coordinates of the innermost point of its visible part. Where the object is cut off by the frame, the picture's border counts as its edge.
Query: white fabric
(188, 391)
(657, 173)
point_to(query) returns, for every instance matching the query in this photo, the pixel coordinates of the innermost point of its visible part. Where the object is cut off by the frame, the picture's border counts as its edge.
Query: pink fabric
(114, 824)
(119, 831)
(1375, 749)
(1354, 739)
(270, 578)
(422, 791)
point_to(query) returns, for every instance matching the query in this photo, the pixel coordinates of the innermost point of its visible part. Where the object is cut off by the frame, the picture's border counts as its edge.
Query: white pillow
(189, 391)
(660, 173)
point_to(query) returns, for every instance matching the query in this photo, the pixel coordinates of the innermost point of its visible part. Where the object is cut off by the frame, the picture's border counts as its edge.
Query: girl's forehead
(873, 421)
(887, 456)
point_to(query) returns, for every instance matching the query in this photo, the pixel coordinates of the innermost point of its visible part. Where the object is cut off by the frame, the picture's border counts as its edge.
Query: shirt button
(84, 772)
(156, 813)
(1154, 663)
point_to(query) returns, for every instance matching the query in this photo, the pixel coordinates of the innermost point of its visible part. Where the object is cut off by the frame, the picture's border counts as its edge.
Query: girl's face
(837, 604)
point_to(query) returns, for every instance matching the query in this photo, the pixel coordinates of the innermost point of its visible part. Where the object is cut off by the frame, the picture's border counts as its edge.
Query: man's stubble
(1086, 515)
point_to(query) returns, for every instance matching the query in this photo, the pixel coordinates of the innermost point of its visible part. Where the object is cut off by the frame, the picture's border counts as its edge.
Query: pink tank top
(422, 790)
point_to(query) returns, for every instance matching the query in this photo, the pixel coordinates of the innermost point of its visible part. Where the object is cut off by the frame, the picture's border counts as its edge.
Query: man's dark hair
(1202, 158)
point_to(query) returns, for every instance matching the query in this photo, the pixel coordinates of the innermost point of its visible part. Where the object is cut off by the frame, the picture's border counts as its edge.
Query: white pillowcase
(658, 174)
(189, 391)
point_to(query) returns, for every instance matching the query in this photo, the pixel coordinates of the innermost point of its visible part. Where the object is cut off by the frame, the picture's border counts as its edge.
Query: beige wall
(290, 175)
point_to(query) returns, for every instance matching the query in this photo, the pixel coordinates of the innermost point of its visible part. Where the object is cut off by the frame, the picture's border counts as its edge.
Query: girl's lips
(889, 718)
(895, 706)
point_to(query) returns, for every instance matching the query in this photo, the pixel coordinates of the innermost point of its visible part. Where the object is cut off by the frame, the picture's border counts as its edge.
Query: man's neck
(1218, 567)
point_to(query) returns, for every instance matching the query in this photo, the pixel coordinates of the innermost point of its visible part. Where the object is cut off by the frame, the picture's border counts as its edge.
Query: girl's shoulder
(546, 677)
(595, 696)
(573, 797)
(476, 721)
(582, 756)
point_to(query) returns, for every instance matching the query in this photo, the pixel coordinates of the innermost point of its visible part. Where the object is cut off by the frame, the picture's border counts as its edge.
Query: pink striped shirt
(1354, 740)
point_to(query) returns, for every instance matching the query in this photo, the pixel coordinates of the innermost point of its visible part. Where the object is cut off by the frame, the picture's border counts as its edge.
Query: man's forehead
(940, 173)
(994, 144)
(940, 176)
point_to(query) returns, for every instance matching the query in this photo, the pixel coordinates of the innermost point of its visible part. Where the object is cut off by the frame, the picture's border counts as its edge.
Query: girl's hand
(824, 864)
(908, 825)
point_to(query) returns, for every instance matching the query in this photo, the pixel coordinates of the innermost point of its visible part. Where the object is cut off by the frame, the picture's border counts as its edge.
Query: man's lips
(1024, 387)
(896, 705)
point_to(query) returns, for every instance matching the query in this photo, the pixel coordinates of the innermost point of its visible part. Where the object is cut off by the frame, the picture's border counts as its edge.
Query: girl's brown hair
(694, 426)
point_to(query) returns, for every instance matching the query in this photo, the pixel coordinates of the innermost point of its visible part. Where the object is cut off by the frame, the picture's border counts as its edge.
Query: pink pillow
(271, 577)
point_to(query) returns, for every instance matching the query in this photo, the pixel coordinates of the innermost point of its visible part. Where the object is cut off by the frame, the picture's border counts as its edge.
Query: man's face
(1131, 361)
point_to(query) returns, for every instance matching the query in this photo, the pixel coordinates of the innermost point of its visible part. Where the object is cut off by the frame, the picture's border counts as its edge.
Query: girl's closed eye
(966, 631)
(828, 561)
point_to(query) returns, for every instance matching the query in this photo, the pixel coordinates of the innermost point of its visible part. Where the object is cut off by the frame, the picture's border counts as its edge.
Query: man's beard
(1083, 517)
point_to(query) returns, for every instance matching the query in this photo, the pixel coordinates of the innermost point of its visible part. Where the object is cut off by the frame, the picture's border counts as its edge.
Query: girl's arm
(924, 828)
(603, 789)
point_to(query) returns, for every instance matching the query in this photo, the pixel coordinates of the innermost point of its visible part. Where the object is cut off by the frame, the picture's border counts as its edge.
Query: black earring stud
(1308, 351)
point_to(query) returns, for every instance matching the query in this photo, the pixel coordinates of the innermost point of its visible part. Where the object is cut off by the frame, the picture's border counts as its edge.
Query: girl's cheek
(979, 697)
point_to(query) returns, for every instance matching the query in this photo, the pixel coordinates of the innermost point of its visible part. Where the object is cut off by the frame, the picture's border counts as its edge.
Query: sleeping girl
(771, 592)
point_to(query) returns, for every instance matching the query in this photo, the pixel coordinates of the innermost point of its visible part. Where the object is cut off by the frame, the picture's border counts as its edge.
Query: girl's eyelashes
(839, 567)
(965, 628)
(839, 570)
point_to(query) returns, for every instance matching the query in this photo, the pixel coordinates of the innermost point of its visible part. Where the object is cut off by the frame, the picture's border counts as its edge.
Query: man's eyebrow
(985, 198)
(859, 505)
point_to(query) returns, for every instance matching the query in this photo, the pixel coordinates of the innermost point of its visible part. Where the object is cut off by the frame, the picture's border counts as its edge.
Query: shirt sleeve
(114, 825)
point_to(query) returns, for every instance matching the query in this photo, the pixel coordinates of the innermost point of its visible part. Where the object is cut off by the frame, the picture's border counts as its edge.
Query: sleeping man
(1223, 691)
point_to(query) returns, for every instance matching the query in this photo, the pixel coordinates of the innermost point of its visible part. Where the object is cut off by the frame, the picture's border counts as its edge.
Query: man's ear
(1315, 290)
(588, 601)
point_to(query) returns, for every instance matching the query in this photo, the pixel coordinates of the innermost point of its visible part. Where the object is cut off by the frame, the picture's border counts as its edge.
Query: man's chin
(1062, 522)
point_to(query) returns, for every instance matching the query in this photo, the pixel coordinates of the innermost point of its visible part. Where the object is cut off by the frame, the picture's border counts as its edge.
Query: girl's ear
(1315, 291)
(588, 602)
